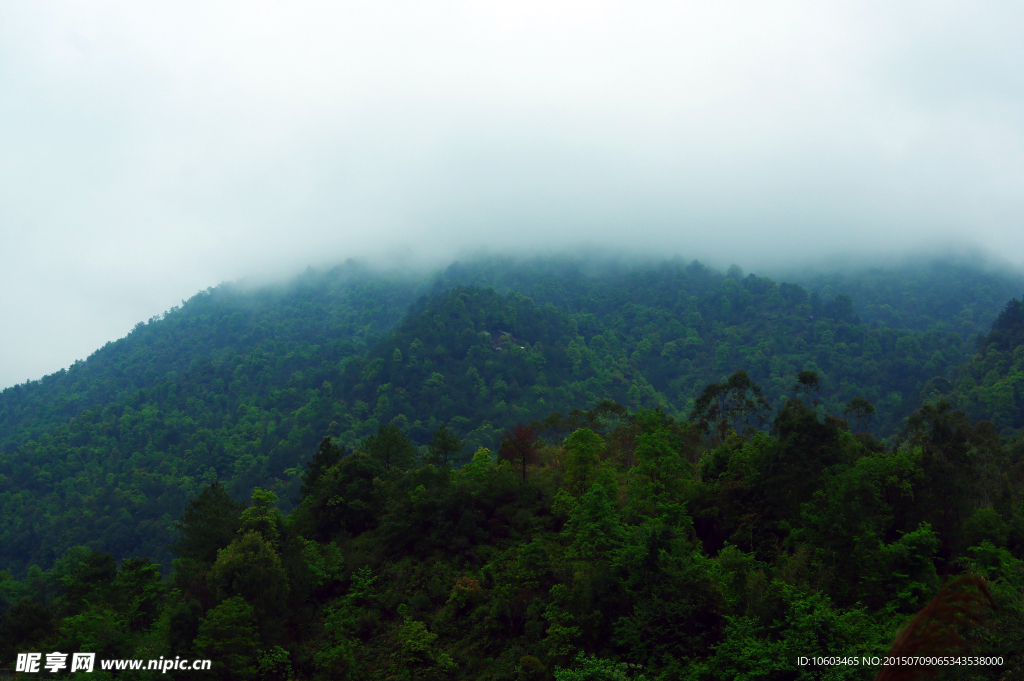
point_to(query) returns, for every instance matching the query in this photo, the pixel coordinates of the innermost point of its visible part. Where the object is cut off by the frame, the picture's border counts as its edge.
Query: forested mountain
(703, 474)
(923, 295)
(962, 296)
(991, 385)
(348, 306)
(239, 385)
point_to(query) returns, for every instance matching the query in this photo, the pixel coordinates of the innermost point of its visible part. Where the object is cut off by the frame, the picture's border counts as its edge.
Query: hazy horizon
(152, 151)
(595, 260)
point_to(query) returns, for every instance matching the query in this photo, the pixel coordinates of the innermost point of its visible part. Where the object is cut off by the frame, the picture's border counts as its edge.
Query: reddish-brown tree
(933, 631)
(519, 445)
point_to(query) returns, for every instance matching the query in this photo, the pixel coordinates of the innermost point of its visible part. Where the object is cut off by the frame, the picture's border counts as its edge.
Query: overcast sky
(149, 150)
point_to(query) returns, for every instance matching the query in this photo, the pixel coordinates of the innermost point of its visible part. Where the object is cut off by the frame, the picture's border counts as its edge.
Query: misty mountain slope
(243, 393)
(921, 294)
(348, 303)
(941, 294)
(212, 390)
(991, 385)
(646, 337)
(681, 556)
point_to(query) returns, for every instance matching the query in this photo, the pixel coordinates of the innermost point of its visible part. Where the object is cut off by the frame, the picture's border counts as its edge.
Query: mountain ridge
(244, 398)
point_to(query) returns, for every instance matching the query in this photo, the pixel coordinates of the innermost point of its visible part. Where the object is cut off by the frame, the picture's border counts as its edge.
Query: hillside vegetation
(991, 385)
(523, 470)
(239, 385)
(638, 548)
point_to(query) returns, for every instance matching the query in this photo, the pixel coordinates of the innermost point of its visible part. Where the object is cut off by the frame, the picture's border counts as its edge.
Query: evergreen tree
(210, 522)
(444, 447)
(228, 637)
(391, 448)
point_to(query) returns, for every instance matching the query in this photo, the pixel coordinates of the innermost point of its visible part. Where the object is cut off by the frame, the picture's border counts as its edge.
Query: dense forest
(536, 469)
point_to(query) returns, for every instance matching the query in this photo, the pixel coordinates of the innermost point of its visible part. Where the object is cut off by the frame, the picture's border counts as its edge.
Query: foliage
(593, 668)
(733, 404)
(444, 447)
(519, 446)
(250, 568)
(227, 635)
(991, 385)
(390, 447)
(933, 631)
(653, 510)
(239, 385)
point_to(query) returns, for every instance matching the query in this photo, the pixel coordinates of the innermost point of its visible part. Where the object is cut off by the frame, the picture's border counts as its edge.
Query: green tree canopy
(391, 448)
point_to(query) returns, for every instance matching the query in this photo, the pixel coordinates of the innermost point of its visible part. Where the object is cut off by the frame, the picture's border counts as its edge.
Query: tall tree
(802, 449)
(228, 636)
(391, 448)
(327, 455)
(861, 410)
(807, 381)
(140, 591)
(252, 569)
(581, 468)
(444, 447)
(209, 523)
(91, 580)
(262, 516)
(519, 445)
(945, 436)
(738, 402)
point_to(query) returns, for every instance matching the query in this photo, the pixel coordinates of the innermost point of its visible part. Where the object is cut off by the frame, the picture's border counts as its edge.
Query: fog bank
(150, 151)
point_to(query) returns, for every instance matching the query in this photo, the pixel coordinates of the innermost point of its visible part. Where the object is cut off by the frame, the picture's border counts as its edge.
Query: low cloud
(149, 151)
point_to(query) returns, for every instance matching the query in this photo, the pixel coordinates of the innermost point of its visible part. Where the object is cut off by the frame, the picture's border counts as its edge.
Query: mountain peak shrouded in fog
(150, 152)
